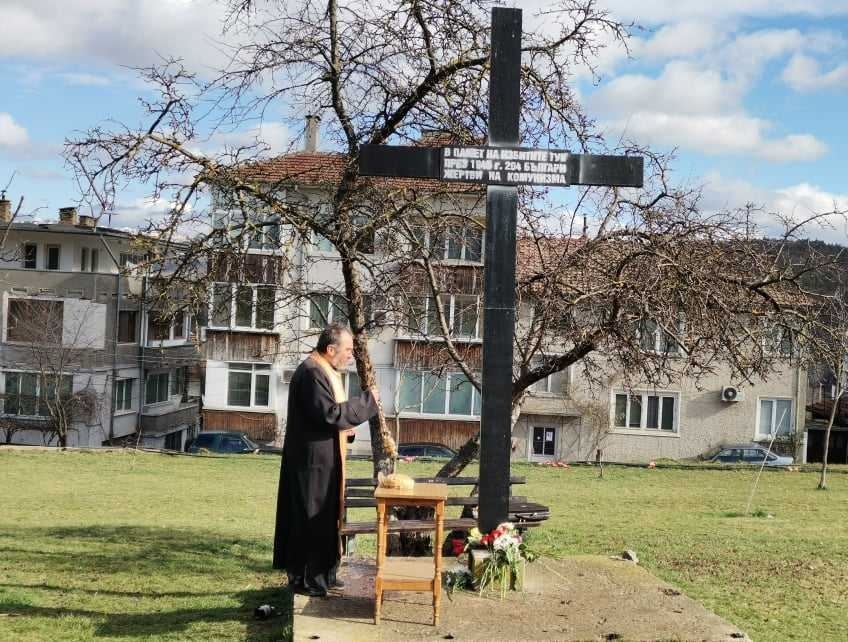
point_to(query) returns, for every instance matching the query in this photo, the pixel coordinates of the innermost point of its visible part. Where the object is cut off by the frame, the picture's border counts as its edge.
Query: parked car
(749, 453)
(437, 451)
(227, 443)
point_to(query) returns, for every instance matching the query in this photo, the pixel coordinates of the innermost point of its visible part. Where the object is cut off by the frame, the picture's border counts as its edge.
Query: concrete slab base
(578, 598)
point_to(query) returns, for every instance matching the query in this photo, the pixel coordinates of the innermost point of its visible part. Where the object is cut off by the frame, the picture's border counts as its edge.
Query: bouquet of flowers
(504, 563)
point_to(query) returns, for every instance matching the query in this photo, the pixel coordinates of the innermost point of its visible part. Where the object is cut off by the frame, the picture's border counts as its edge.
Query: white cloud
(11, 133)
(723, 134)
(678, 39)
(663, 11)
(795, 202)
(139, 213)
(746, 55)
(804, 74)
(119, 32)
(85, 79)
(271, 137)
(682, 88)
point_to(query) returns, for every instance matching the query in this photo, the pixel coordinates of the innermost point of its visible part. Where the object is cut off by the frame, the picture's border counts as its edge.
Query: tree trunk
(823, 479)
(382, 445)
(469, 451)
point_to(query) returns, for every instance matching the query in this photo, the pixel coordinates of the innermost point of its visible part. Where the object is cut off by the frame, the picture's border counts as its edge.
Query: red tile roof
(326, 169)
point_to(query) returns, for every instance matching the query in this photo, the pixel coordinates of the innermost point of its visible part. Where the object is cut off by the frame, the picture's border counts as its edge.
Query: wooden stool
(404, 574)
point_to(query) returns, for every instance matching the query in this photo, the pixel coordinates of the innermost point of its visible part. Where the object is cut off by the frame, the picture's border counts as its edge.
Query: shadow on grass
(109, 575)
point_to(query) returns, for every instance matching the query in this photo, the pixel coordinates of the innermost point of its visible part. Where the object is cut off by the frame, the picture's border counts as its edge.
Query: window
(249, 384)
(428, 393)
(32, 395)
(156, 388)
(653, 338)
(265, 304)
(130, 258)
(367, 241)
(646, 411)
(456, 242)
(462, 313)
(264, 235)
(376, 310)
(160, 328)
(779, 342)
(124, 394)
(178, 326)
(165, 327)
(89, 260)
(178, 383)
(242, 306)
(544, 441)
(542, 386)
(127, 326)
(30, 256)
(34, 320)
(464, 243)
(776, 418)
(21, 394)
(325, 309)
(52, 260)
(221, 304)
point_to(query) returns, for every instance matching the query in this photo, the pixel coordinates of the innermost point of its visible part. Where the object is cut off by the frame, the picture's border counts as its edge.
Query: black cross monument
(501, 165)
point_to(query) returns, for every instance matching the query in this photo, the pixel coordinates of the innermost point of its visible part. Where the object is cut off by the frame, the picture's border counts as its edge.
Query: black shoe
(337, 584)
(310, 592)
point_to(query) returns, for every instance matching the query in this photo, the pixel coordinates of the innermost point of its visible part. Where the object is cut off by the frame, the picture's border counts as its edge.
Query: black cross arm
(425, 162)
(398, 160)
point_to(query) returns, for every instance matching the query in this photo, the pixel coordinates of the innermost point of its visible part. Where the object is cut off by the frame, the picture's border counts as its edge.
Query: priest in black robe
(306, 540)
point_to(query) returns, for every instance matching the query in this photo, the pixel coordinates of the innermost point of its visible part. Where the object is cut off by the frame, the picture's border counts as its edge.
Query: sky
(749, 93)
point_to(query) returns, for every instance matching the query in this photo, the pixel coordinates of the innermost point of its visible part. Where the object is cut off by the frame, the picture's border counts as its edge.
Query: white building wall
(703, 420)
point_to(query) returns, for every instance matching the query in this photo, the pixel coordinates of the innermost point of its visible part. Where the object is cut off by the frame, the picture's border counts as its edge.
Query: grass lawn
(111, 546)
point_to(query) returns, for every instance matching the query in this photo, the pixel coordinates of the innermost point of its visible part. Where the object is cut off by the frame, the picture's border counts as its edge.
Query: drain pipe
(116, 336)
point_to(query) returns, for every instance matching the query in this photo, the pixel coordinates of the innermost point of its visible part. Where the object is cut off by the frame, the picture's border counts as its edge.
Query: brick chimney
(310, 138)
(5, 209)
(86, 221)
(68, 215)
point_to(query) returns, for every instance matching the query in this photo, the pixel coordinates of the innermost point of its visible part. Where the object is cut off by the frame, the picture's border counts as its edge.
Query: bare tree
(377, 73)
(654, 290)
(827, 352)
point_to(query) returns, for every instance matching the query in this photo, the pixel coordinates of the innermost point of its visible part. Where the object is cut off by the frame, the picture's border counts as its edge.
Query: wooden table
(405, 574)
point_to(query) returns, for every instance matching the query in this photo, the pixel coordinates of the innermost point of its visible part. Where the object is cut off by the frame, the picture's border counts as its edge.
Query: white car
(750, 453)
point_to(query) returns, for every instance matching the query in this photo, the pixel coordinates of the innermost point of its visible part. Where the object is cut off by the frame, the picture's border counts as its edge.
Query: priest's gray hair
(331, 336)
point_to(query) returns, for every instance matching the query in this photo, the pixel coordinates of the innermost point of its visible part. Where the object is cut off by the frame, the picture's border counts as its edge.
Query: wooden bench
(359, 493)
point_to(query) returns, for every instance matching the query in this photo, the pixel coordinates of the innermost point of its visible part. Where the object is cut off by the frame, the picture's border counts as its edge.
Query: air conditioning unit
(287, 375)
(731, 394)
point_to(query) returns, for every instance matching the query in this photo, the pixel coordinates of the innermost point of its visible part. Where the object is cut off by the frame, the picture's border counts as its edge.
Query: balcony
(162, 418)
(165, 355)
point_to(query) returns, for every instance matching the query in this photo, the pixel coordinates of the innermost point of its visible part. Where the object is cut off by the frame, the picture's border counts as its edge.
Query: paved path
(578, 598)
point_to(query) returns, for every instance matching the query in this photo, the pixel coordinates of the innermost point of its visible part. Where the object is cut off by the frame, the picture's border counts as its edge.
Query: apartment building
(256, 339)
(81, 352)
